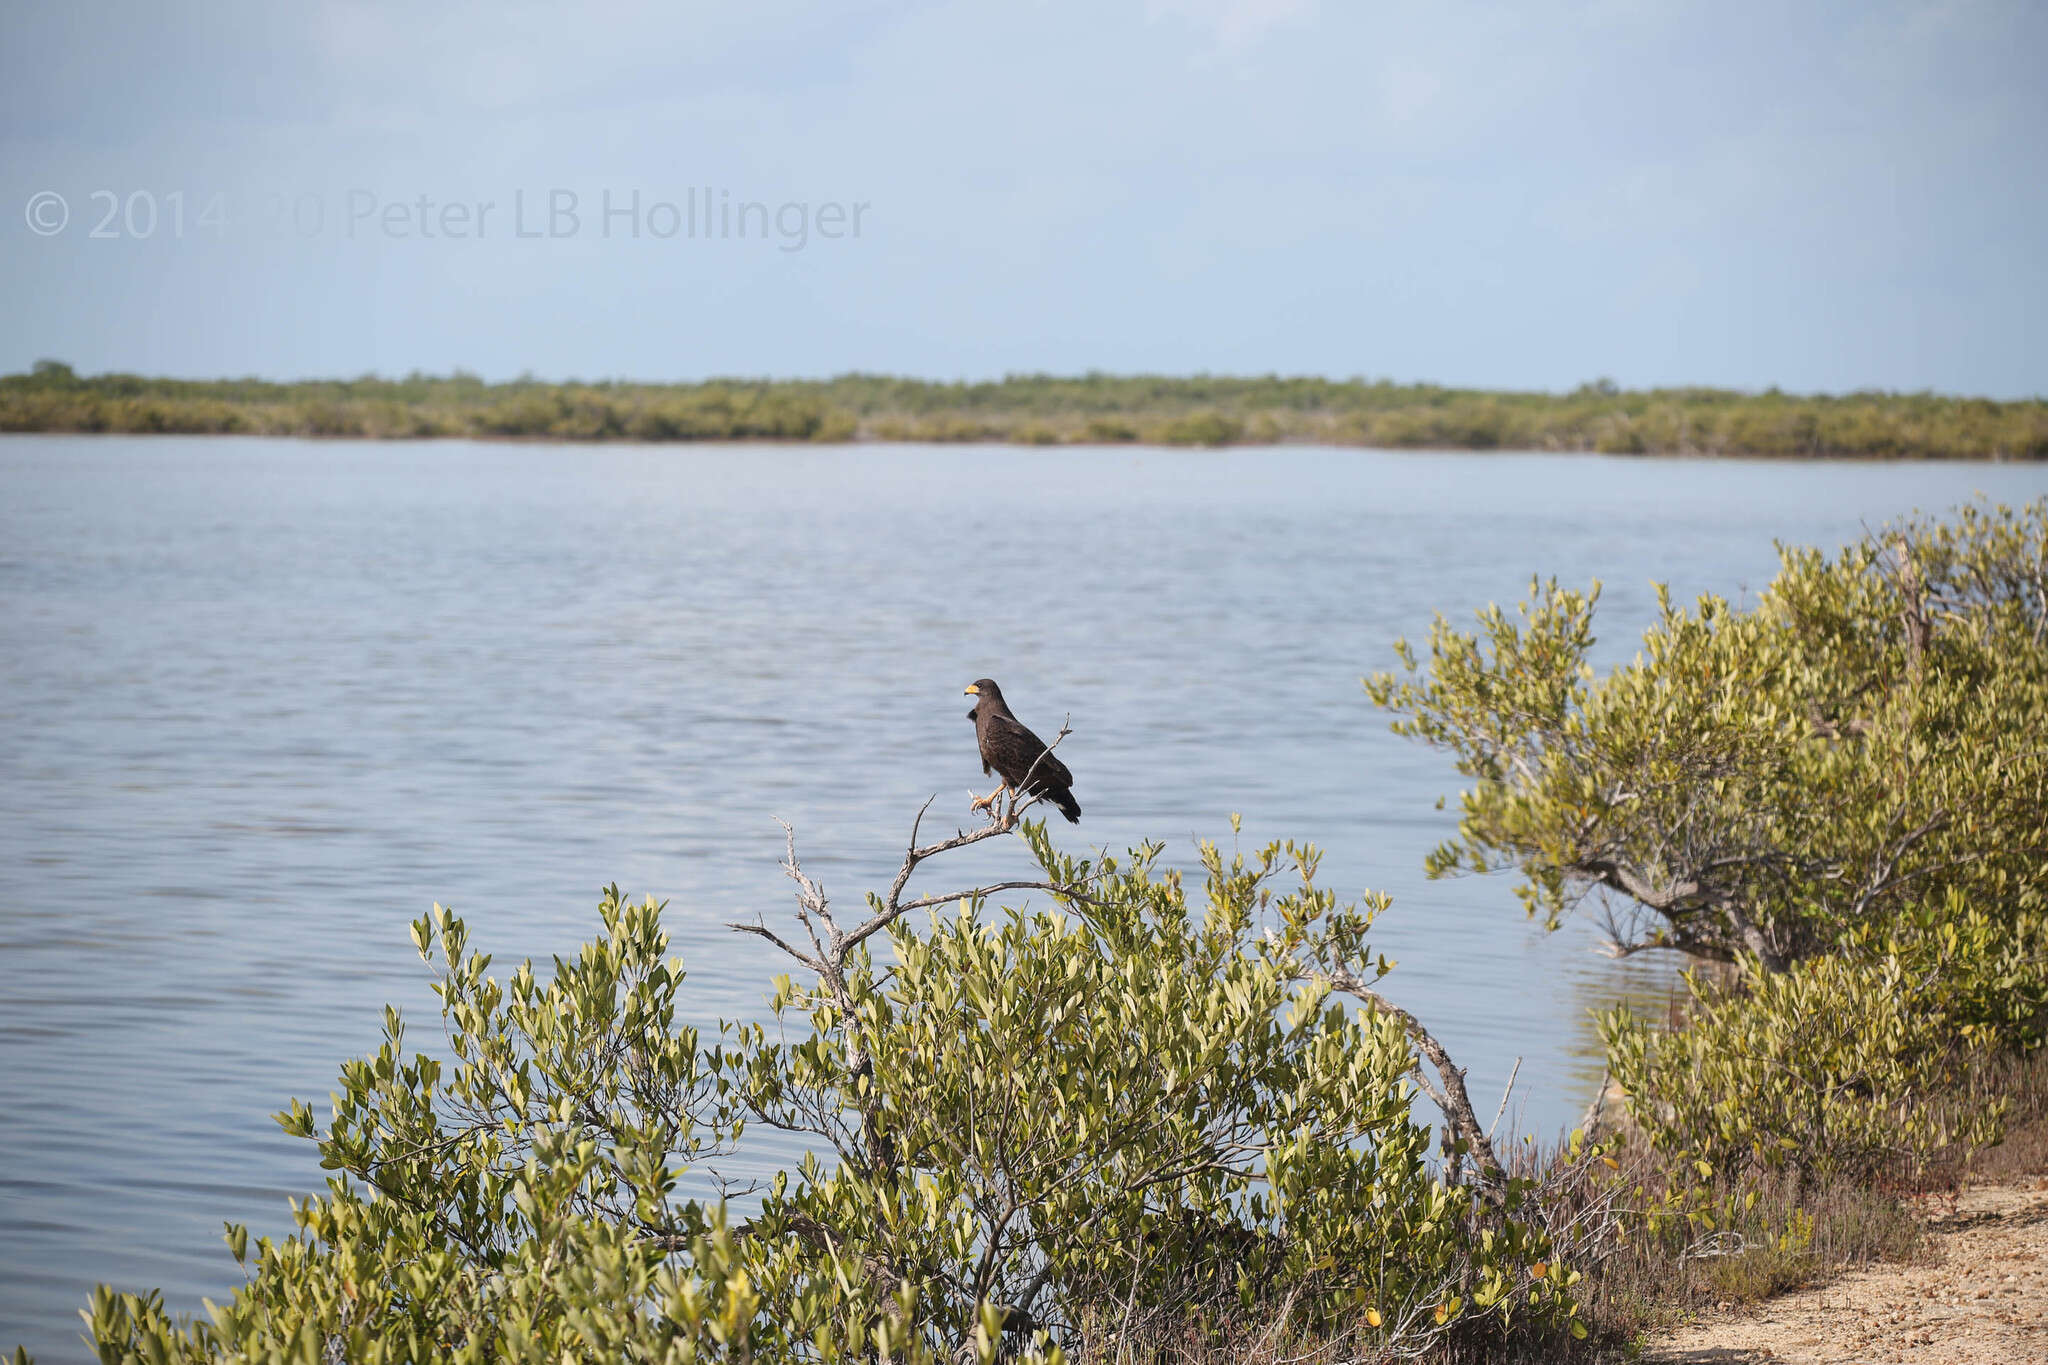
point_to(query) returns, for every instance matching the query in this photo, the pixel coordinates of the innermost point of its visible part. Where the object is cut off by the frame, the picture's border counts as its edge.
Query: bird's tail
(1069, 807)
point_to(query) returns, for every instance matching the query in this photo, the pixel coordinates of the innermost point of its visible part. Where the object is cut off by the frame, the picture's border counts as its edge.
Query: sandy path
(1979, 1298)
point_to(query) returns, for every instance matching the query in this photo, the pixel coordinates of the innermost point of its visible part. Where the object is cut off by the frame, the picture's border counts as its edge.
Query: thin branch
(1590, 1120)
(763, 931)
(834, 946)
(1884, 875)
(1452, 1098)
(977, 893)
(1514, 1072)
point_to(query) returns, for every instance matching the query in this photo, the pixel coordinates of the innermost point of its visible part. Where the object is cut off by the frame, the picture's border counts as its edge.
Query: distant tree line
(1035, 409)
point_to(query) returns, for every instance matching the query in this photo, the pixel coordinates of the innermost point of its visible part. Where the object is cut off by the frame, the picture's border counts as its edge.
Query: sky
(1819, 197)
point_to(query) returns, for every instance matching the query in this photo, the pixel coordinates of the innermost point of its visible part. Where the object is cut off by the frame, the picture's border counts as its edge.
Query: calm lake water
(261, 702)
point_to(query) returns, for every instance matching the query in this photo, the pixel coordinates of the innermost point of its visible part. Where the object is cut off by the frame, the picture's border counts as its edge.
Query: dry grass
(2025, 1149)
(1835, 1226)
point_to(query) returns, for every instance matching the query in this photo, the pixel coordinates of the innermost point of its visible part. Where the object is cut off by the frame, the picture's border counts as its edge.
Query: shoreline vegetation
(1090, 409)
(1116, 1112)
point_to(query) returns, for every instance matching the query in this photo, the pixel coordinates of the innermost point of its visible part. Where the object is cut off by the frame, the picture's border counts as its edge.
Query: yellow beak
(970, 691)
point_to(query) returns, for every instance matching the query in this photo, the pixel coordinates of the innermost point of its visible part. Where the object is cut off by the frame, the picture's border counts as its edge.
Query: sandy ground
(1980, 1297)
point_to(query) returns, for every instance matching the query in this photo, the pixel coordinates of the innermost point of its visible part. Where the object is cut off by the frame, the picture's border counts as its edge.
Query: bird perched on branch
(1023, 759)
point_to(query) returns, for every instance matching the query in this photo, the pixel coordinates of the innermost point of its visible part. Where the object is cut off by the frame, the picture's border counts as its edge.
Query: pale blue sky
(1815, 196)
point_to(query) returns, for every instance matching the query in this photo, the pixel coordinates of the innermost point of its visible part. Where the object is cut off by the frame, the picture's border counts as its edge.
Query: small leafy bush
(1033, 1129)
(1850, 1064)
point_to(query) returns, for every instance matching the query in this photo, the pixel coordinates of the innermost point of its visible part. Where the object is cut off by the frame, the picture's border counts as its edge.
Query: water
(261, 702)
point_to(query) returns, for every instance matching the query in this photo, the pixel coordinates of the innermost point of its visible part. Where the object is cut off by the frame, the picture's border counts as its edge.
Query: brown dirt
(1978, 1297)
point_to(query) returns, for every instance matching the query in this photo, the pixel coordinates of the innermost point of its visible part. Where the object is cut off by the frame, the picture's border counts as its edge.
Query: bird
(1020, 756)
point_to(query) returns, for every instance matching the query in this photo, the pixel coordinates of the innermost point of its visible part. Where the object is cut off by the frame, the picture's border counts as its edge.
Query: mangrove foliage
(1090, 409)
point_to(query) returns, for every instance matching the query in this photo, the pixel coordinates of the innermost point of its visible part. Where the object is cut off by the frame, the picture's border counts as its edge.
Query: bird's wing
(974, 714)
(1054, 773)
(1015, 748)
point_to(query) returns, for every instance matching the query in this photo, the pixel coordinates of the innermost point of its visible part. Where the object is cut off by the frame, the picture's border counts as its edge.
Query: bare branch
(1680, 898)
(1450, 1097)
(915, 855)
(833, 946)
(1514, 1072)
(977, 893)
(1885, 874)
(1590, 1120)
(763, 931)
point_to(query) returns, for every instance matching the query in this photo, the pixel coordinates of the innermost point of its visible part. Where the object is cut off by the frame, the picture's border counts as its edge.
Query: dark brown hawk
(1020, 756)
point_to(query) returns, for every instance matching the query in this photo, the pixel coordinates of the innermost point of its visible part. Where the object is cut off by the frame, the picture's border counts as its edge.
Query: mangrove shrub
(1029, 1129)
